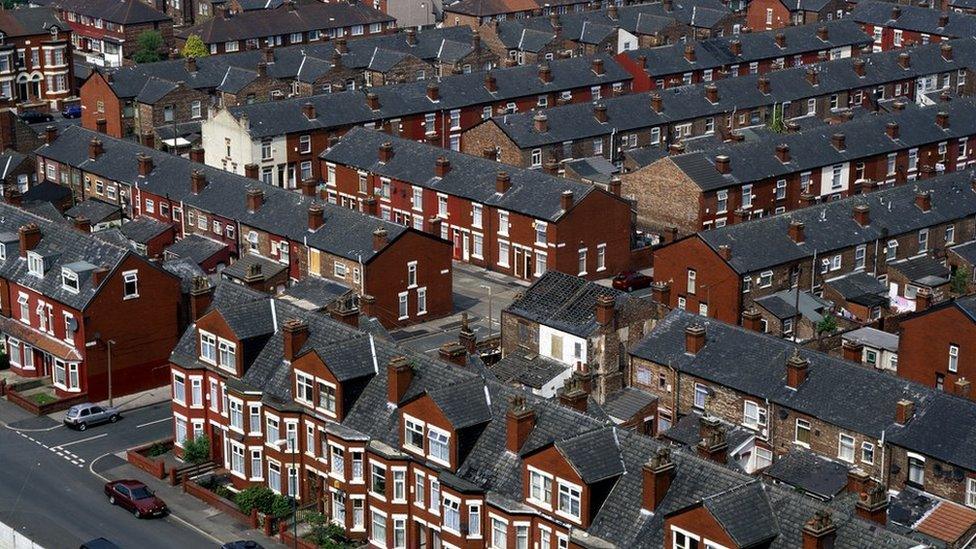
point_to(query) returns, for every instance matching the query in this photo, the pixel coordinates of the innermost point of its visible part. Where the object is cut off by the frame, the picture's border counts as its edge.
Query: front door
(465, 245)
(458, 243)
(217, 444)
(421, 536)
(518, 262)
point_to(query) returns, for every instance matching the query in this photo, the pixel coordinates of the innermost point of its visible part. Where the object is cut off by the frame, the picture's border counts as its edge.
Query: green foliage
(255, 497)
(280, 507)
(42, 398)
(157, 449)
(195, 47)
(4, 361)
(149, 45)
(325, 534)
(196, 450)
(959, 283)
(777, 124)
(827, 324)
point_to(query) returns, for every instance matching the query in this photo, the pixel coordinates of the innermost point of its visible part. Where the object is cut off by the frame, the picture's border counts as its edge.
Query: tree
(827, 324)
(195, 47)
(960, 280)
(196, 450)
(148, 47)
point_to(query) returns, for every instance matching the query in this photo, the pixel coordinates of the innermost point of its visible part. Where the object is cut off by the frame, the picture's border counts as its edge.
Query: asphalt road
(49, 492)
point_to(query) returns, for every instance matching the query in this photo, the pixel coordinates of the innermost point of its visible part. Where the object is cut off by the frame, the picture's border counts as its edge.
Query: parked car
(80, 416)
(136, 497)
(629, 281)
(242, 544)
(71, 111)
(34, 117)
(99, 543)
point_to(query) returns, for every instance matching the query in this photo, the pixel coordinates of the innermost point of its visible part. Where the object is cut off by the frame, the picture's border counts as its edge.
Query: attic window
(35, 264)
(69, 280)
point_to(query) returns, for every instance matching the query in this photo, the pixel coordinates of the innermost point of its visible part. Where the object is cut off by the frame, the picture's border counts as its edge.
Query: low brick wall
(154, 466)
(221, 504)
(288, 538)
(44, 409)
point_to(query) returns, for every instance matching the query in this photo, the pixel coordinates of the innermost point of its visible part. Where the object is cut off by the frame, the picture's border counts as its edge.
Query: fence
(154, 466)
(180, 474)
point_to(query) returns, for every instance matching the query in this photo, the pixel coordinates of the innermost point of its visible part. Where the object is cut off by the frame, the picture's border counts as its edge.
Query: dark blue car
(71, 111)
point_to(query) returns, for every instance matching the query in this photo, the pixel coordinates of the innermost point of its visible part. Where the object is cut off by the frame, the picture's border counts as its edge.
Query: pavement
(52, 479)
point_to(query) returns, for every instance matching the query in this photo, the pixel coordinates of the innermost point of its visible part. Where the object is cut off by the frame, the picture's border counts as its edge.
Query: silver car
(81, 416)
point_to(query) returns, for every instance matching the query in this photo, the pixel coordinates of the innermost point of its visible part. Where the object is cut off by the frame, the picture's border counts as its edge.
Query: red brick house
(36, 65)
(516, 221)
(894, 26)
(69, 298)
(935, 345)
(777, 14)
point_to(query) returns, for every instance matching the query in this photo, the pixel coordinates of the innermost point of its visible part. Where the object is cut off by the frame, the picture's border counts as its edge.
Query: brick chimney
(251, 171)
(433, 92)
(711, 93)
(101, 126)
(797, 232)
(502, 183)
(371, 206)
(191, 64)
(904, 60)
(255, 198)
(399, 374)
(198, 181)
(566, 200)
(946, 50)
(923, 299)
(545, 73)
(735, 46)
(923, 200)
(891, 128)
(475, 40)
(712, 442)
(694, 338)
(14, 198)
(519, 421)
(308, 187)
(723, 164)
(752, 319)
(30, 237)
(904, 410)
(295, 334)
(796, 370)
(690, 53)
(201, 295)
(823, 33)
(839, 141)
(308, 109)
(812, 76)
(895, 12)
(491, 84)
(604, 309)
(656, 476)
(540, 122)
(372, 101)
(725, 251)
(598, 68)
(859, 67)
(661, 292)
(943, 20)
(657, 104)
(783, 152)
(600, 113)
(262, 69)
(942, 119)
(872, 504)
(615, 185)
(197, 155)
(858, 480)
(763, 84)
(380, 239)
(551, 165)
(572, 395)
(780, 40)
(145, 164)
(852, 351)
(411, 37)
(819, 532)
(453, 352)
(316, 212)
(95, 148)
(82, 224)
(466, 335)
(50, 134)
(962, 388)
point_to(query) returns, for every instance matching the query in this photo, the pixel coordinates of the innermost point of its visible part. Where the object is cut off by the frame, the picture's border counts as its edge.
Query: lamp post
(294, 467)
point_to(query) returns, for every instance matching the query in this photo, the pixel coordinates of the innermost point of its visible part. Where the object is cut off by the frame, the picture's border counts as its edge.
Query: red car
(629, 281)
(134, 496)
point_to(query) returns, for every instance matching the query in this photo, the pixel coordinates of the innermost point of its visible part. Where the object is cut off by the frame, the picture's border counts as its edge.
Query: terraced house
(519, 222)
(405, 451)
(840, 250)
(727, 183)
(873, 424)
(36, 65)
(900, 26)
(289, 236)
(68, 297)
(283, 138)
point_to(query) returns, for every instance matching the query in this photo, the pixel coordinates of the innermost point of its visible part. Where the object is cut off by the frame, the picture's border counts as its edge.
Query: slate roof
(873, 337)
(47, 191)
(600, 452)
(344, 232)
(95, 210)
(966, 251)
(931, 432)
(914, 18)
(830, 226)
(533, 192)
(564, 302)
(29, 21)
(861, 288)
(528, 369)
(783, 305)
(123, 12)
(9, 158)
(195, 248)
(744, 513)
(627, 402)
(483, 8)
(809, 472)
(922, 270)
(594, 168)
(303, 17)
(312, 292)
(143, 229)
(397, 100)
(239, 269)
(836, 391)
(185, 269)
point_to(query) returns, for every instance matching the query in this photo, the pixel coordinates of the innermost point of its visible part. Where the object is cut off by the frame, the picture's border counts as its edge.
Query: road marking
(82, 440)
(153, 422)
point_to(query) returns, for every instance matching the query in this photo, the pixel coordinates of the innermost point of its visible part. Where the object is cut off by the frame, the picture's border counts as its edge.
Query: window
(503, 223)
(569, 500)
(916, 470)
(411, 274)
(859, 257)
(540, 488)
(701, 392)
(753, 415)
(723, 202)
(536, 157)
(499, 534)
(419, 489)
(35, 264)
(950, 234)
(766, 279)
(402, 306)
(435, 496)
(272, 432)
(891, 251)
(228, 355)
(582, 261)
(452, 514)
(130, 284)
(413, 434)
(421, 301)
(24, 308)
(476, 212)
(474, 520)
(802, 435)
(304, 388)
(540, 232)
(845, 449)
(601, 257)
(377, 525)
(327, 398)
(195, 109)
(867, 452)
(253, 413)
(399, 484)
(399, 533)
(179, 388)
(377, 479)
(438, 448)
(69, 280)
(180, 431)
(692, 280)
(256, 467)
(521, 536)
(971, 492)
(681, 539)
(923, 240)
(953, 358)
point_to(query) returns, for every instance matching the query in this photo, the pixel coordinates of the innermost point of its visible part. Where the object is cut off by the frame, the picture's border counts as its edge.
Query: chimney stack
(796, 370)
(600, 113)
(145, 164)
(904, 410)
(540, 122)
(201, 295)
(411, 37)
(780, 39)
(735, 46)
(962, 387)
(891, 128)
(657, 104)
(598, 68)
(823, 33)
(379, 239)
(551, 165)
(711, 93)
(308, 109)
(82, 224)
(573, 396)
(566, 200)
(797, 232)
(255, 198)
(475, 40)
(95, 148)
(604, 309)
(341, 45)
(98, 276)
(386, 152)
(545, 73)
(725, 251)
(191, 64)
(839, 141)
(946, 49)
(872, 504)
(367, 305)
(895, 12)
(30, 237)
(923, 299)
(441, 166)
(694, 338)
(453, 352)
(50, 134)
(723, 164)
(198, 181)
(491, 84)
(372, 101)
(812, 76)
(763, 83)
(295, 333)
(942, 119)
(752, 319)
(262, 69)
(943, 19)
(316, 213)
(852, 351)
(656, 476)
(690, 53)
(197, 155)
(862, 215)
(519, 421)
(433, 92)
(819, 532)
(859, 67)
(712, 442)
(615, 185)
(904, 60)
(502, 183)
(661, 292)
(399, 374)
(783, 152)
(101, 125)
(923, 200)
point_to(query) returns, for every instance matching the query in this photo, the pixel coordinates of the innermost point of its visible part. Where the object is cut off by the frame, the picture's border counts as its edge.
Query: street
(50, 491)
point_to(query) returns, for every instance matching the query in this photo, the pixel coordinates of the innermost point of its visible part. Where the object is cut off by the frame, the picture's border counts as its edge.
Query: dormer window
(35, 264)
(413, 434)
(438, 448)
(208, 347)
(69, 280)
(228, 355)
(570, 496)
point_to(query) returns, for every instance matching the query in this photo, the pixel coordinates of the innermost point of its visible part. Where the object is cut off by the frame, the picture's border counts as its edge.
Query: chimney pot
(711, 93)
(399, 373)
(819, 532)
(694, 338)
(862, 215)
(604, 309)
(316, 213)
(502, 182)
(797, 232)
(540, 122)
(255, 198)
(723, 164)
(379, 239)
(386, 152)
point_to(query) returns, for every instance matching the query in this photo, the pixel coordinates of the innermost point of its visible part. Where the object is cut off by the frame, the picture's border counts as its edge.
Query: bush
(196, 451)
(195, 47)
(326, 534)
(157, 449)
(255, 497)
(827, 324)
(959, 282)
(148, 47)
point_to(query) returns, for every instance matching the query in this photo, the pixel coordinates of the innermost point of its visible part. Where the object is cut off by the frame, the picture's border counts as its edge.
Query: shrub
(196, 451)
(324, 533)
(148, 47)
(280, 507)
(255, 497)
(827, 324)
(959, 282)
(157, 449)
(195, 47)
